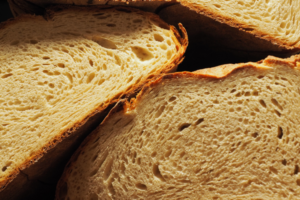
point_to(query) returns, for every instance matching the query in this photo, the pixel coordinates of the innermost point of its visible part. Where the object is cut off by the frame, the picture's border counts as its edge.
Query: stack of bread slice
(229, 132)
(60, 72)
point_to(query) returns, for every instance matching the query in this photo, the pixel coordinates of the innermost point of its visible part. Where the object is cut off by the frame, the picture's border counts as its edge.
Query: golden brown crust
(239, 25)
(181, 45)
(216, 73)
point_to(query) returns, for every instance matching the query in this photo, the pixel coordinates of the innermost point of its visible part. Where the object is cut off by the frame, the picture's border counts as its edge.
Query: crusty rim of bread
(181, 43)
(218, 72)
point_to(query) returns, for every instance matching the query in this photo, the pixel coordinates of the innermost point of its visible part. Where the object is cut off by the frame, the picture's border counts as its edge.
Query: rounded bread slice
(229, 132)
(61, 69)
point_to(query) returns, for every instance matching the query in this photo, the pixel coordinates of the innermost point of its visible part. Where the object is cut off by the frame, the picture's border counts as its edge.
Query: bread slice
(257, 27)
(229, 132)
(60, 70)
(274, 21)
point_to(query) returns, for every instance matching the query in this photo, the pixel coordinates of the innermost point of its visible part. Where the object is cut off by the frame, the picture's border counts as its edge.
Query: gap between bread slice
(229, 132)
(59, 70)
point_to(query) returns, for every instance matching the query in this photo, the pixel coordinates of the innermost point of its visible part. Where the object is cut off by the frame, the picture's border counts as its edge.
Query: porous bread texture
(229, 132)
(57, 73)
(274, 20)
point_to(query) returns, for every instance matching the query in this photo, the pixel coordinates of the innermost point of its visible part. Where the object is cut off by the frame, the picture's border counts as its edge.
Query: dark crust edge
(181, 45)
(124, 106)
(240, 25)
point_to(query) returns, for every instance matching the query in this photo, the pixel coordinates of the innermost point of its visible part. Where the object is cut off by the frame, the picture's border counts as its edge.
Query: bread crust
(181, 45)
(128, 105)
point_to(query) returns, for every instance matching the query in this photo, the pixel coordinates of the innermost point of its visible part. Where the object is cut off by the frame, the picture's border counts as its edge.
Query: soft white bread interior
(59, 70)
(230, 132)
(271, 25)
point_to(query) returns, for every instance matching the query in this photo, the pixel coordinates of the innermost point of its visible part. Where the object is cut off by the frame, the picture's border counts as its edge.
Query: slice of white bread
(270, 26)
(230, 132)
(59, 70)
(276, 21)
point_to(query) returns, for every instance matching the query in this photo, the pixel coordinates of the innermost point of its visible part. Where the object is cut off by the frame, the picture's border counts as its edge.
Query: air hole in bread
(160, 111)
(139, 161)
(141, 186)
(169, 54)
(91, 63)
(108, 169)
(46, 57)
(6, 75)
(184, 126)
(163, 46)
(104, 42)
(142, 53)
(277, 113)
(255, 135)
(51, 85)
(181, 154)
(156, 172)
(237, 14)
(280, 133)
(104, 67)
(154, 154)
(269, 88)
(4, 168)
(90, 77)
(69, 77)
(118, 60)
(255, 93)
(129, 79)
(262, 103)
(158, 37)
(284, 162)
(296, 171)
(272, 169)
(217, 5)
(275, 102)
(172, 99)
(247, 94)
(168, 153)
